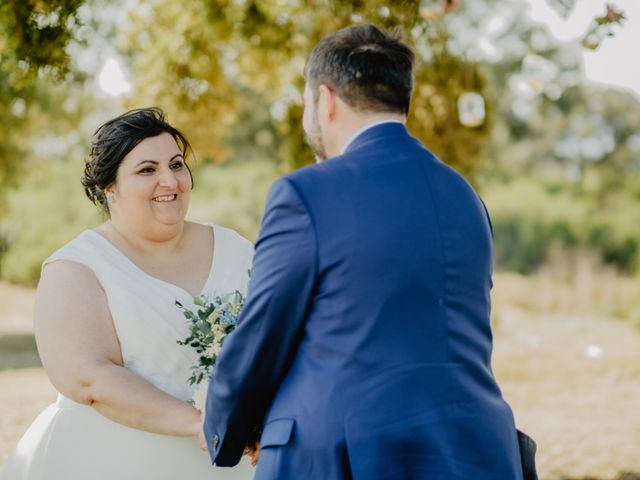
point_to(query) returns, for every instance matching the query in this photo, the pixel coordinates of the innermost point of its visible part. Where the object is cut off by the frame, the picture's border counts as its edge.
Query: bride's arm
(81, 354)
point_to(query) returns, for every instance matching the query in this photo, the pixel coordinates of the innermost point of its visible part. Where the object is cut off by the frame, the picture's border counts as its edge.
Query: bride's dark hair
(112, 142)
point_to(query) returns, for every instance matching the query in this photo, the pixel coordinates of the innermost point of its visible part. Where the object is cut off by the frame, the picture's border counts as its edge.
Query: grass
(18, 351)
(16, 309)
(572, 284)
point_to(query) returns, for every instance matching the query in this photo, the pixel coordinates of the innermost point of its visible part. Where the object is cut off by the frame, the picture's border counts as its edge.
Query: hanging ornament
(471, 110)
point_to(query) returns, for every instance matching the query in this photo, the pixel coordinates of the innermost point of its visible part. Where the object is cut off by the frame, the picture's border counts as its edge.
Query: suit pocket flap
(277, 432)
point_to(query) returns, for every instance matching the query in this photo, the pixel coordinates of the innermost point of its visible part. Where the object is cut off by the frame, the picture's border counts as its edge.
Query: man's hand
(253, 452)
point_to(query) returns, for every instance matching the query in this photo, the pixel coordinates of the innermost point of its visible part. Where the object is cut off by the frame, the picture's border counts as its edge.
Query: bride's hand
(202, 442)
(254, 453)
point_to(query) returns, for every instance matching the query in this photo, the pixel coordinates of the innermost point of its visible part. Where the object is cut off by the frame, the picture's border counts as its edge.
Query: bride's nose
(168, 178)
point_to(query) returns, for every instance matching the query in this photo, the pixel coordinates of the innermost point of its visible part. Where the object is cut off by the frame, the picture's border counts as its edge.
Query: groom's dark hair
(369, 69)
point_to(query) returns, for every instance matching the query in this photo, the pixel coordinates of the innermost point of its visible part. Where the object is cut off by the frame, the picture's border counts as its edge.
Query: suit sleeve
(257, 355)
(486, 211)
(490, 224)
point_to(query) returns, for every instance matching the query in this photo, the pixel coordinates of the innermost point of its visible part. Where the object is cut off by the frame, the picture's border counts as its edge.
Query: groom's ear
(326, 103)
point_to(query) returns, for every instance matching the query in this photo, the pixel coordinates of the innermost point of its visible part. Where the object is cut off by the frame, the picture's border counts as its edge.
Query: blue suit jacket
(364, 348)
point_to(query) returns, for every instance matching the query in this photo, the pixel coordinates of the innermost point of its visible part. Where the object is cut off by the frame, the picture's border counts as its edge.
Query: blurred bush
(46, 211)
(233, 194)
(535, 221)
(49, 208)
(633, 310)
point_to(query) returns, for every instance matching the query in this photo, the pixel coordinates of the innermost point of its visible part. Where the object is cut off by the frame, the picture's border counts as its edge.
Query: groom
(364, 347)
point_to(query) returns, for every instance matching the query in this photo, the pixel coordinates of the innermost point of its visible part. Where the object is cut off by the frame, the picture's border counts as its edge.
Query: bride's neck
(162, 240)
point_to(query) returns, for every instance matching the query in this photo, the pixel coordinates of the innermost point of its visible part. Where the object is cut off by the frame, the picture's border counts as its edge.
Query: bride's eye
(147, 170)
(177, 165)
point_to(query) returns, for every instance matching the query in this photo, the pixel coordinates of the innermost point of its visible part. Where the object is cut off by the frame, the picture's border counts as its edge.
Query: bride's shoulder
(82, 245)
(228, 236)
(72, 264)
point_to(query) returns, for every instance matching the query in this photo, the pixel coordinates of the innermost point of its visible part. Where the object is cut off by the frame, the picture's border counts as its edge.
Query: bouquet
(208, 328)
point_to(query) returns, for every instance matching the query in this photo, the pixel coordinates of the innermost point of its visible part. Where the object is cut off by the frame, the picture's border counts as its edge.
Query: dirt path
(574, 385)
(23, 394)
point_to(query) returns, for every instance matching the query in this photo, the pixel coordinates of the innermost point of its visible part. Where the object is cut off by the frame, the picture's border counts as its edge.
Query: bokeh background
(536, 102)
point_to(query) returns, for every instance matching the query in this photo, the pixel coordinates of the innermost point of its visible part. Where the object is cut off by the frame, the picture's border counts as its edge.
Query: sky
(111, 78)
(615, 63)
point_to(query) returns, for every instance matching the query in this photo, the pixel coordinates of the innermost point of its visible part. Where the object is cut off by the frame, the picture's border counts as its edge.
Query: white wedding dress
(69, 441)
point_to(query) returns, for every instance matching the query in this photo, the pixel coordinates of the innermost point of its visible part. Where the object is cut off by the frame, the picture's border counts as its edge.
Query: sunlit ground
(571, 374)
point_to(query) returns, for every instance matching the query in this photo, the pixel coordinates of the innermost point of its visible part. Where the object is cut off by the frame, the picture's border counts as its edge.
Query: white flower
(214, 349)
(213, 316)
(200, 394)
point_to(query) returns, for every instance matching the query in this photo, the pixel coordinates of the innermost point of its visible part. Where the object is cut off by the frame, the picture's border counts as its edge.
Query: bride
(106, 323)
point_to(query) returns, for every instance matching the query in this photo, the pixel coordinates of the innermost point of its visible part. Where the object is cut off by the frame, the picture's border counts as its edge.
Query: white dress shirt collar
(364, 129)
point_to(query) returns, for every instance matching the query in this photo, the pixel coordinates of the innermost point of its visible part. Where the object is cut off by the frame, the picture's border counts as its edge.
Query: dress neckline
(214, 260)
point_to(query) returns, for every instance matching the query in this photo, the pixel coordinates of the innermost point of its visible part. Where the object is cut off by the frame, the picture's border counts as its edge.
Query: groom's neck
(351, 123)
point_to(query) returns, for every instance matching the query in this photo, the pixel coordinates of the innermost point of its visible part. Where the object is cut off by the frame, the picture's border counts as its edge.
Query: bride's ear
(109, 194)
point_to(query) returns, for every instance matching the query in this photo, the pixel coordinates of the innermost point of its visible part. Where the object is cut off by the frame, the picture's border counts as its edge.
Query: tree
(33, 37)
(223, 59)
(212, 62)
(227, 59)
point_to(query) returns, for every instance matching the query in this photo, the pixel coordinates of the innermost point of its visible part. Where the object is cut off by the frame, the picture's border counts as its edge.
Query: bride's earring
(110, 198)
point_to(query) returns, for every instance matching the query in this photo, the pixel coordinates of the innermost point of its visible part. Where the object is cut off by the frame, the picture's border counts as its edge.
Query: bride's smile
(166, 198)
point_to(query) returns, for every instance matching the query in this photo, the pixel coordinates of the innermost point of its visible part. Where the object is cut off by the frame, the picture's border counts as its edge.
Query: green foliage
(211, 63)
(36, 33)
(33, 37)
(434, 120)
(208, 327)
(218, 66)
(633, 313)
(233, 194)
(49, 208)
(229, 73)
(533, 221)
(18, 351)
(47, 211)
